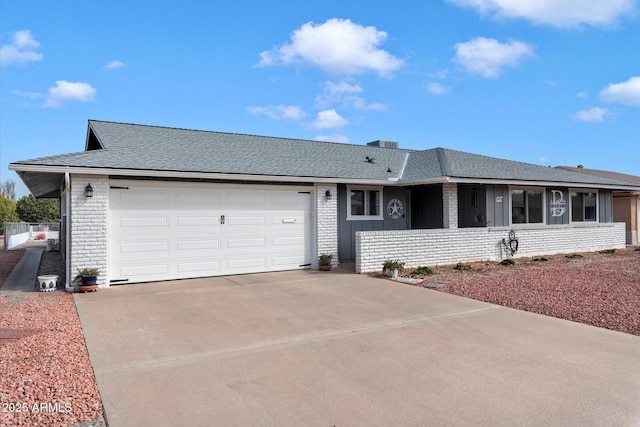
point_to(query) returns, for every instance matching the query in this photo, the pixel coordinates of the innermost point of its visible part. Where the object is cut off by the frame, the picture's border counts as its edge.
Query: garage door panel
(199, 245)
(232, 220)
(138, 198)
(247, 243)
(243, 197)
(279, 242)
(198, 221)
(138, 271)
(246, 263)
(144, 247)
(143, 221)
(188, 199)
(198, 230)
(204, 266)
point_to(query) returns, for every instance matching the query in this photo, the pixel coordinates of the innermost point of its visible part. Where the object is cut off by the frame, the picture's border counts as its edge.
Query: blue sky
(547, 82)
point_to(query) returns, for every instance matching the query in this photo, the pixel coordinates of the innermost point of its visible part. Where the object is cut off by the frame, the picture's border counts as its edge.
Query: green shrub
(390, 265)
(462, 267)
(608, 251)
(423, 270)
(540, 259)
(575, 256)
(637, 248)
(507, 261)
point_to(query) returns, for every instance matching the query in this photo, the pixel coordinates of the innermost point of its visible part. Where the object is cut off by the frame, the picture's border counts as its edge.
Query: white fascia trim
(274, 178)
(540, 183)
(192, 175)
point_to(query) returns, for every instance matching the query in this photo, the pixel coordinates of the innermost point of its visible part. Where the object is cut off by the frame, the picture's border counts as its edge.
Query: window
(526, 207)
(364, 203)
(583, 206)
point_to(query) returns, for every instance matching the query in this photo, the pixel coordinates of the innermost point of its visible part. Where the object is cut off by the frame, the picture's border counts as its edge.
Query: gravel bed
(8, 259)
(598, 289)
(47, 378)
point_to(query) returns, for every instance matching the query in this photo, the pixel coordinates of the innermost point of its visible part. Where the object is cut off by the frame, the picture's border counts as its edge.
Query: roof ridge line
(445, 168)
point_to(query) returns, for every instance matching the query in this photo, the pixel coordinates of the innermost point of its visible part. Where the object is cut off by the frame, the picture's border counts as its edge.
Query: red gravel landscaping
(46, 378)
(599, 289)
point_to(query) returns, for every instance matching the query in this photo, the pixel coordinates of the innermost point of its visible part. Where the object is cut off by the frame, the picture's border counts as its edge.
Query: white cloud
(69, 91)
(329, 119)
(439, 75)
(359, 103)
(593, 114)
(583, 94)
(335, 92)
(543, 160)
(279, 112)
(31, 95)
(337, 46)
(343, 92)
(21, 49)
(488, 57)
(114, 64)
(436, 88)
(558, 13)
(626, 93)
(336, 137)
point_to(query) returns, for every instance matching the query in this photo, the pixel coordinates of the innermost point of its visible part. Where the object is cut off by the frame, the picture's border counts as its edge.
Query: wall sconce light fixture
(88, 191)
(327, 194)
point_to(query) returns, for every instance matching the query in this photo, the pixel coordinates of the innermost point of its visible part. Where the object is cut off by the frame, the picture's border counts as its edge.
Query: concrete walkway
(23, 277)
(324, 349)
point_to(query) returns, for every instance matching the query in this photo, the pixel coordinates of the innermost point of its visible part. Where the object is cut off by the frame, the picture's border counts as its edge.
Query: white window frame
(583, 190)
(542, 190)
(378, 217)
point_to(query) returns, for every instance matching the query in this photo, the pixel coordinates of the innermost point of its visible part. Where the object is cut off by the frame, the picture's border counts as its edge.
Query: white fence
(17, 233)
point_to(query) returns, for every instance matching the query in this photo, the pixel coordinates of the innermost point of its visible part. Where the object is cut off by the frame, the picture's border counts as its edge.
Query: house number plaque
(395, 208)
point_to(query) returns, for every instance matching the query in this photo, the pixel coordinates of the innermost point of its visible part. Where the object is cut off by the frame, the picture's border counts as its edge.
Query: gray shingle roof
(153, 148)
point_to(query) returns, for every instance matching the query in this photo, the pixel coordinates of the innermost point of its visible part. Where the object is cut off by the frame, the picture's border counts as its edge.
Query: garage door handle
(221, 219)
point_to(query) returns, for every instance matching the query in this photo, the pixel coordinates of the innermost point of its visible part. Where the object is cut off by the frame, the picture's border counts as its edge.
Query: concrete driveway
(324, 349)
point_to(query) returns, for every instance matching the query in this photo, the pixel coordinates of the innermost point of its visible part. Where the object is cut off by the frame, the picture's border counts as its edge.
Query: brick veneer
(89, 218)
(449, 246)
(327, 222)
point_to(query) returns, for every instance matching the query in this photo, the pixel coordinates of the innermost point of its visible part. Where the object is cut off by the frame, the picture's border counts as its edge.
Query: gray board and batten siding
(347, 228)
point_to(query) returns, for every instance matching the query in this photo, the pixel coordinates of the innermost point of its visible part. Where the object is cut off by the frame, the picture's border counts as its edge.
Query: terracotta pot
(324, 267)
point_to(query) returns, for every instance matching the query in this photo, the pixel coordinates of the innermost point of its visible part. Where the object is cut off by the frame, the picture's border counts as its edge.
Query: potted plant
(324, 262)
(88, 279)
(392, 267)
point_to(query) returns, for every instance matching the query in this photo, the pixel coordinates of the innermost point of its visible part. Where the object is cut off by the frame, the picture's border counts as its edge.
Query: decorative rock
(48, 283)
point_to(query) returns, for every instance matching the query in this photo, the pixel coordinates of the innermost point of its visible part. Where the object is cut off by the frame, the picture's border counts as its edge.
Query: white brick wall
(449, 246)
(450, 205)
(89, 217)
(326, 222)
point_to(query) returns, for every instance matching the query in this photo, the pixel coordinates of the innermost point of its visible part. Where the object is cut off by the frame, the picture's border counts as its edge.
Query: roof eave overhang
(23, 169)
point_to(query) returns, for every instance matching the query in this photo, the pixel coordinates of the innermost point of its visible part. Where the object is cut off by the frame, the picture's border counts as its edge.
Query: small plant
(325, 259)
(540, 259)
(507, 261)
(390, 265)
(574, 256)
(87, 272)
(637, 249)
(422, 271)
(462, 267)
(608, 251)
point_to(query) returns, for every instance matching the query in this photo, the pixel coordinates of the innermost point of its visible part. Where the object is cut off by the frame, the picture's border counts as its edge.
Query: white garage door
(163, 231)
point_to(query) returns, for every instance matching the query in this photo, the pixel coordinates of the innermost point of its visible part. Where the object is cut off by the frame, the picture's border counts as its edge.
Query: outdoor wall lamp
(327, 194)
(88, 191)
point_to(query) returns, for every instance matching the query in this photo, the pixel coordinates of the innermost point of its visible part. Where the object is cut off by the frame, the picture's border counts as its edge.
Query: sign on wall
(395, 208)
(557, 205)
